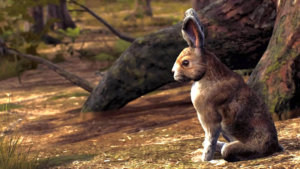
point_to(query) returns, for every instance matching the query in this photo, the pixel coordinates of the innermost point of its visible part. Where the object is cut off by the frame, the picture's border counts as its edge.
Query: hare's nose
(173, 71)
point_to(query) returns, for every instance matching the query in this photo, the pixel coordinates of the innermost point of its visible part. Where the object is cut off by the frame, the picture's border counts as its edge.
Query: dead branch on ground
(4, 50)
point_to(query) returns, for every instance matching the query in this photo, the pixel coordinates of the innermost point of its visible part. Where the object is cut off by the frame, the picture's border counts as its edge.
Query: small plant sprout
(8, 95)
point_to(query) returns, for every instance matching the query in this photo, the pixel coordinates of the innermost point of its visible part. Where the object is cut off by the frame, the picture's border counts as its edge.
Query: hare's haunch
(223, 101)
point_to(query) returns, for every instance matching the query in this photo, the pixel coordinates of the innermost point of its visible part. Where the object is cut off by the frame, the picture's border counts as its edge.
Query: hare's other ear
(192, 29)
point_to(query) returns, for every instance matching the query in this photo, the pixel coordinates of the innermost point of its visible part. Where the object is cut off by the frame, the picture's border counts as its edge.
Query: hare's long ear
(192, 29)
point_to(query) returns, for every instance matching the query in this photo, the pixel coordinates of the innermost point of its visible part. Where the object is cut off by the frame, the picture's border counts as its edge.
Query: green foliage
(71, 33)
(104, 57)
(13, 156)
(13, 14)
(121, 45)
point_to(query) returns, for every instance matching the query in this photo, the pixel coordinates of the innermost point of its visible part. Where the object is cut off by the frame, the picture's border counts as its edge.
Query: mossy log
(238, 32)
(277, 75)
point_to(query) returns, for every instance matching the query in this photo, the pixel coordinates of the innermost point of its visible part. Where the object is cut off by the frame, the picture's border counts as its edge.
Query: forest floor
(157, 130)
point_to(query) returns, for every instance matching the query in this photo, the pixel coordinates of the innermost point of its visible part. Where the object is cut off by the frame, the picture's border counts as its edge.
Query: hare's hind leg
(220, 144)
(228, 137)
(237, 151)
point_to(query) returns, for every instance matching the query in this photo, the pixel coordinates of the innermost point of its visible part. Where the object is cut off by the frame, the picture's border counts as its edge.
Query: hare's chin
(182, 79)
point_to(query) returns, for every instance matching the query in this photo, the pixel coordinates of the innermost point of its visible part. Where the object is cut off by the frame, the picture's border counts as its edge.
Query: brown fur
(225, 104)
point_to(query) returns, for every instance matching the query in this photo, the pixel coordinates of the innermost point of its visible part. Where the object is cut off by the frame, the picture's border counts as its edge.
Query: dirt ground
(158, 130)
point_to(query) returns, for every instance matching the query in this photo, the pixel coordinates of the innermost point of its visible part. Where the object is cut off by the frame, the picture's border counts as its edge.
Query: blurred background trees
(31, 26)
(61, 13)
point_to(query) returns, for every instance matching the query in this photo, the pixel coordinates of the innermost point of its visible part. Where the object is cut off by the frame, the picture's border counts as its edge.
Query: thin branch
(111, 28)
(4, 50)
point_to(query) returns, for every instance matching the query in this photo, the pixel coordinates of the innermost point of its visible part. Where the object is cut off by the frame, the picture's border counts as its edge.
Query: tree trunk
(52, 13)
(38, 26)
(61, 12)
(37, 14)
(143, 6)
(277, 75)
(148, 9)
(238, 32)
(199, 4)
(66, 19)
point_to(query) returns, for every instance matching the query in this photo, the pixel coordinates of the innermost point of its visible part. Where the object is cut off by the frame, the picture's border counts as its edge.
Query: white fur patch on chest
(197, 93)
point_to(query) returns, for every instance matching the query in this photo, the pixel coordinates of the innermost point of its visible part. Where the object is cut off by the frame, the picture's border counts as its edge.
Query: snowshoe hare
(223, 101)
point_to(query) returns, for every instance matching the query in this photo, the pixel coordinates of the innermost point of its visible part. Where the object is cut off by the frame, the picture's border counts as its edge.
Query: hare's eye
(185, 63)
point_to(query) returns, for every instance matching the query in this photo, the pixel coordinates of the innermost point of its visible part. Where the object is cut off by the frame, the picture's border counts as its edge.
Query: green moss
(140, 40)
(273, 103)
(295, 20)
(293, 53)
(273, 67)
(137, 72)
(104, 57)
(132, 62)
(114, 71)
(121, 45)
(160, 36)
(280, 30)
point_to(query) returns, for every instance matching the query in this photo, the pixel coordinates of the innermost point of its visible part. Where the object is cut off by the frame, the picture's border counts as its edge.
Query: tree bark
(148, 9)
(38, 26)
(277, 75)
(238, 32)
(143, 6)
(61, 12)
(66, 19)
(199, 4)
(38, 17)
(52, 13)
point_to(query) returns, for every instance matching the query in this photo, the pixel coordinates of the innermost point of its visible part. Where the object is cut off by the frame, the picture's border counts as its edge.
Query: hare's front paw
(200, 158)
